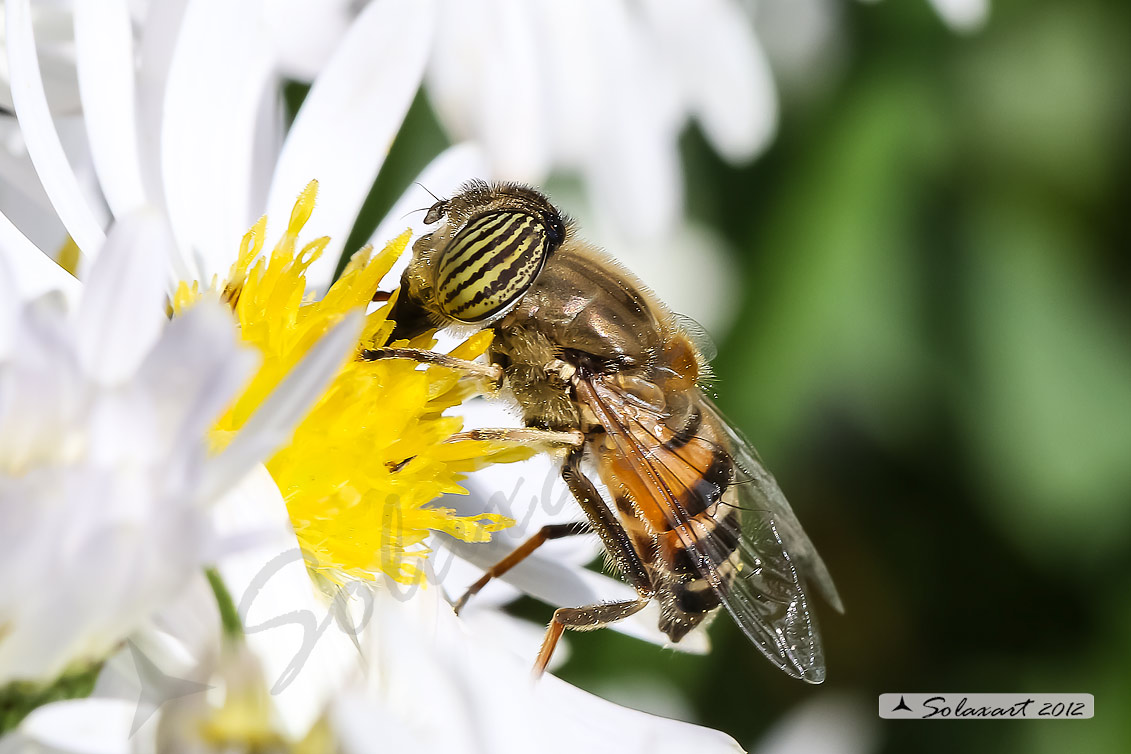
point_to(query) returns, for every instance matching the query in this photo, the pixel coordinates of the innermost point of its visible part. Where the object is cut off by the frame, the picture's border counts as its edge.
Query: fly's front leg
(542, 440)
(492, 372)
(619, 546)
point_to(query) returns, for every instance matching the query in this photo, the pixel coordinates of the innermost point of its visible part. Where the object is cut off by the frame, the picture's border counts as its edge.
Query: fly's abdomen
(673, 497)
(688, 583)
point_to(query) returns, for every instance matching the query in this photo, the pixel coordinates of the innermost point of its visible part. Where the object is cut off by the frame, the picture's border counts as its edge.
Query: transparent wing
(746, 519)
(768, 602)
(758, 492)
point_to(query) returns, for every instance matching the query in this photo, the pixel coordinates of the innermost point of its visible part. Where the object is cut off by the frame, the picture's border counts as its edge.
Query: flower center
(362, 469)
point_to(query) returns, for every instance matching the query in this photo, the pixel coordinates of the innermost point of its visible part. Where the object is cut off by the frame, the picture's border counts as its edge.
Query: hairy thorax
(578, 317)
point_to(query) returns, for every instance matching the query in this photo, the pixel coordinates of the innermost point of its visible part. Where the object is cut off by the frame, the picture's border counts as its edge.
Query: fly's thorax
(537, 380)
(593, 311)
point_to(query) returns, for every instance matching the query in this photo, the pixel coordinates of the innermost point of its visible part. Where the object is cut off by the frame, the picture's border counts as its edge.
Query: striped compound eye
(491, 262)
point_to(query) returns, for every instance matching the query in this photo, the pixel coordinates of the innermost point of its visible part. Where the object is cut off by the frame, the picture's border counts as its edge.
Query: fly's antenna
(421, 185)
(413, 211)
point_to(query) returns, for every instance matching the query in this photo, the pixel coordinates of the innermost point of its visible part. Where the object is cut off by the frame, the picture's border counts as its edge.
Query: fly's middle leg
(521, 553)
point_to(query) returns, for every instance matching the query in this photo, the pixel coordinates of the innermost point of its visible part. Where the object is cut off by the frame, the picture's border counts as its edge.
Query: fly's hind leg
(613, 536)
(619, 546)
(588, 618)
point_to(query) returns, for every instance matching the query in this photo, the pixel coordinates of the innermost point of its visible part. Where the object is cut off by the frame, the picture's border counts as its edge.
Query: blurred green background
(933, 357)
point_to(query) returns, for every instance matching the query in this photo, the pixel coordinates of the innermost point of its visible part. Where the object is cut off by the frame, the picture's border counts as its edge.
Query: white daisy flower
(219, 56)
(602, 89)
(105, 471)
(183, 117)
(429, 684)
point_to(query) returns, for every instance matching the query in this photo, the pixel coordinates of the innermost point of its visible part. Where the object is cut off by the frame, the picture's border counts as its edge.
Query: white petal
(305, 35)
(363, 727)
(963, 15)
(274, 421)
(45, 396)
(156, 46)
(270, 134)
(43, 143)
(22, 195)
(456, 574)
(486, 695)
(203, 339)
(512, 112)
(104, 52)
(122, 310)
(91, 726)
(715, 57)
(55, 41)
(634, 171)
(32, 271)
(522, 637)
(486, 81)
(217, 77)
(574, 76)
(457, 68)
(827, 723)
(9, 307)
(184, 631)
(442, 177)
(347, 123)
(305, 656)
(623, 729)
(636, 181)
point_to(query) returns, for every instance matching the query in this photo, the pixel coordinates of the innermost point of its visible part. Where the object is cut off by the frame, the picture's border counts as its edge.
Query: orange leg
(588, 618)
(523, 551)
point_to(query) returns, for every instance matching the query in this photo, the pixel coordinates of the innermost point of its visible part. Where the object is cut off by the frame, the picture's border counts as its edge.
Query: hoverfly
(601, 368)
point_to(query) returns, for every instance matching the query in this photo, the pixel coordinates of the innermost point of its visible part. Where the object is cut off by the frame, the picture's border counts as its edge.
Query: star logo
(157, 688)
(901, 706)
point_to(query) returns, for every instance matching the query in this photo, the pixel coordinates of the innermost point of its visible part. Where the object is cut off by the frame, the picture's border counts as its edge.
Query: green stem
(229, 616)
(18, 699)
